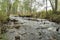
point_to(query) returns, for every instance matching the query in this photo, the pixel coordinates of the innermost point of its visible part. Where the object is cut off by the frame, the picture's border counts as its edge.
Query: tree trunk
(54, 8)
(51, 5)
(56, 2)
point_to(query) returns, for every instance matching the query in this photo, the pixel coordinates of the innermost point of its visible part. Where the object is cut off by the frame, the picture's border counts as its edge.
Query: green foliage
(3, 16)
(3, 37)
(25, 14)
(43, 14)
(14, 6)
(55, 17)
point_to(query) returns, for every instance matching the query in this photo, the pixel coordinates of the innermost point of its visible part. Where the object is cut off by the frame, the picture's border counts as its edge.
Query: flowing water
(34, 29)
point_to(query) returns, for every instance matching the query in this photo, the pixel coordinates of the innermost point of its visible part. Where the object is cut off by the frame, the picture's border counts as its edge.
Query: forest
(27, 8)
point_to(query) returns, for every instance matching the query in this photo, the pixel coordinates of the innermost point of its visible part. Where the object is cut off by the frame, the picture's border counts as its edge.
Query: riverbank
(50, 15)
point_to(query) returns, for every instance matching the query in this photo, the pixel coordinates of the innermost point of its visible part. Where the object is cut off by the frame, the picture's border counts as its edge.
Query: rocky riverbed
(34, 29)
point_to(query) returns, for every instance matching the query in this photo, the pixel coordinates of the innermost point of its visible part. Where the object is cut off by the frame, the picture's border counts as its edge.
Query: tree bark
(51, 5)
(54, 8)
(56, 4)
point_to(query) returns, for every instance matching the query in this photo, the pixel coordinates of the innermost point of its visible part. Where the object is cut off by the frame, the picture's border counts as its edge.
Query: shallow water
(34, 30)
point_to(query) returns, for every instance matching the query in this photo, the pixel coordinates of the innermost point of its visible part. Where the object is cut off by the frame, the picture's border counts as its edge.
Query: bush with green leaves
(3, 16)
(43, 15)
(56, 18)
(50, 15)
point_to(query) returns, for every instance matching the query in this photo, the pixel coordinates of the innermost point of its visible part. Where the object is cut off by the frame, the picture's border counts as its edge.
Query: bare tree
(54, 5)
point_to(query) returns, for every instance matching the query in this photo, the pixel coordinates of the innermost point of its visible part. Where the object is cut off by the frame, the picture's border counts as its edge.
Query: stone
(57, 29)
(17, 26)
(17, 37)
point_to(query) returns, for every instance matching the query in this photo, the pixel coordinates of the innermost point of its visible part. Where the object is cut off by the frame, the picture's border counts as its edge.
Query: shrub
(43, 15)
(55, 17)
(3, 17)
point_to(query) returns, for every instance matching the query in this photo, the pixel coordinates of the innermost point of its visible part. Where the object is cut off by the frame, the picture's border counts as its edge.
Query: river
(34, 29)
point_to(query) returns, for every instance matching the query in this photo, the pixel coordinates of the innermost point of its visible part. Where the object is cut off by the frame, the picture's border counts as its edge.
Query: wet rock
(17, 26)
(17, 37)
(57, 29)
(52, 29)
(39, 33)
(11, 30)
